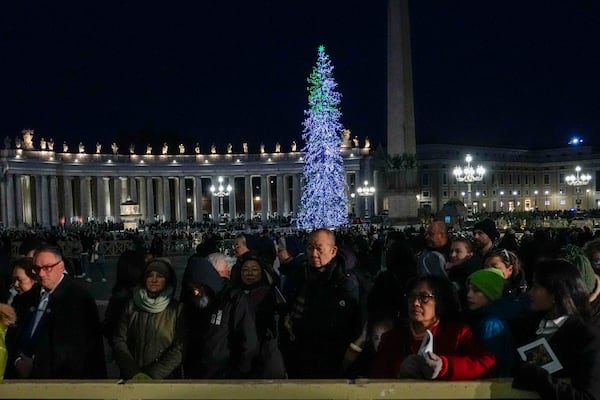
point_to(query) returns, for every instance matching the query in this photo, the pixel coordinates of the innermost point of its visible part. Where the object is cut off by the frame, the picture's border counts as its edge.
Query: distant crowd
(430, 304)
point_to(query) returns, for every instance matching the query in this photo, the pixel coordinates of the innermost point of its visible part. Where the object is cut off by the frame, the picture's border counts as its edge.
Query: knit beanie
(489, 281)
(164, 267)
(576, 256)
(488, 227)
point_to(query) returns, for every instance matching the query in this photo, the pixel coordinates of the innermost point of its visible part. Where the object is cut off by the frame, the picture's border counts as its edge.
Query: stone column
(182, 203)
(10, 201)
(264, 197)
(166, 199)
(100, 203)
(141, 196)
(45, 206)
(232, 205)
(215, 200)
(296, 193)
(38, 200)
(133, 189)
(150, 209)
(249, 200)
(286, 196)
(159, 208)
(28, 190)
(19, 199)
(116, 200)
(54, 220)
(68, 204)
(198, 199)
(85, 197)
(280, 194)
(125, 193)
(4, 201)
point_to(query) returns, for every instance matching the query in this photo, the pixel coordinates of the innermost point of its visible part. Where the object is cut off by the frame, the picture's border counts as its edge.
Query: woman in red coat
(455, 353)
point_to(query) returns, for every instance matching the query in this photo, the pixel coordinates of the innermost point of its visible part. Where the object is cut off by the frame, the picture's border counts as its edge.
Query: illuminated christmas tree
(324, 200)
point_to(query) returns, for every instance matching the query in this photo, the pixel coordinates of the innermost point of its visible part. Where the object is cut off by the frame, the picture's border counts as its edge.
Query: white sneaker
(103, 279)
(88, 279)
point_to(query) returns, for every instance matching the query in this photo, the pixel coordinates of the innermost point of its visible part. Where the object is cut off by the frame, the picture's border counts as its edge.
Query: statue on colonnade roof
(148, 149)
(197, 148)
(293, 145)
(132, 148)
(114, 147)
(51, 144)
(213, 149)
(165, 148)
(181, 148)
(98, 148)
(245, 147)
(27, 139)
(229, 148)
(42, 144)
(81, 147)
(277, 148)
(65, 147)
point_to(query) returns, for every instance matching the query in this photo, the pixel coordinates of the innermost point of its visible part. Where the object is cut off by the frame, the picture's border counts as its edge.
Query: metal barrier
(263, 390)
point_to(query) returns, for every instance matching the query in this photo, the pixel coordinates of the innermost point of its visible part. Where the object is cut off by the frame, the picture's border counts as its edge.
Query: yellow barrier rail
(263, 390)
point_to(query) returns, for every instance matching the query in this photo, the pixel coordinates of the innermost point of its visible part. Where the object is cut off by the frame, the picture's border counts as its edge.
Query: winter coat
(317, 340)
(222, 341)
(576, 344)
(67, 343)
(496, 336)
(463, 356)
(151, 343)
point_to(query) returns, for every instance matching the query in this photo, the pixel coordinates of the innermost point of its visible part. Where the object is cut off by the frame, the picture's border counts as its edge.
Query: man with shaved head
(324, 316)
(432, 260)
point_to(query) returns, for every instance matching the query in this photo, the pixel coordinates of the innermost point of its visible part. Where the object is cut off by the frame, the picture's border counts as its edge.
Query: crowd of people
(434, 305)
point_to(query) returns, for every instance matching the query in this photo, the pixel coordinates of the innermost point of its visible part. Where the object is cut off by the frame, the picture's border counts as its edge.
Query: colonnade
(36, 198)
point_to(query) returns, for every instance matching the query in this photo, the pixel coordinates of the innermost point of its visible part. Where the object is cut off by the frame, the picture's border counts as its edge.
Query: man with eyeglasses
(60, 335)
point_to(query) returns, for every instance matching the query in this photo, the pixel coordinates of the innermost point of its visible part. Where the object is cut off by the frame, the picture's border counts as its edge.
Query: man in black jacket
(221, 339)
(60, 336)
(324, 316)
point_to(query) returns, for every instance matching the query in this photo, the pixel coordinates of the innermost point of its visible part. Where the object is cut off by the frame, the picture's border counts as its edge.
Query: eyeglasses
(423, 298)
(45, 268)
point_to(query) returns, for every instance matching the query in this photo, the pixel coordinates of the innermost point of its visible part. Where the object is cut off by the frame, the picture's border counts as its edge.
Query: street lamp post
(577, 181)
(366, 191)
(535, 193)
(546, 193)
(502, 200)
(221, 191)
(469, 175)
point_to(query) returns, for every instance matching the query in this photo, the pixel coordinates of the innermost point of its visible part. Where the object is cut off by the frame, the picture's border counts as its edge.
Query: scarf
(152, 305)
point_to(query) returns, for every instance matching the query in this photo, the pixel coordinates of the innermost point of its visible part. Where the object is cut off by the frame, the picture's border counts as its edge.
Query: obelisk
(401, 179)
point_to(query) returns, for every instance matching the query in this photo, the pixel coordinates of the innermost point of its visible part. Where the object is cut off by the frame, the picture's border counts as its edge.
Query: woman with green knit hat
(485, 287)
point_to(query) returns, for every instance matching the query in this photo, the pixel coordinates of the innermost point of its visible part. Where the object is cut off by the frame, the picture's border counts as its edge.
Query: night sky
(521, 73)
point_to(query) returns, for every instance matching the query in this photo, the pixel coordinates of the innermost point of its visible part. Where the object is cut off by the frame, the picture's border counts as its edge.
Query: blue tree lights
(324, 200)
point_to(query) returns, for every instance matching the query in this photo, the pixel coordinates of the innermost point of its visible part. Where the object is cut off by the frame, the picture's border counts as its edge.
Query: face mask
(201, 302)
